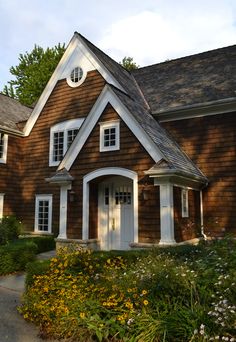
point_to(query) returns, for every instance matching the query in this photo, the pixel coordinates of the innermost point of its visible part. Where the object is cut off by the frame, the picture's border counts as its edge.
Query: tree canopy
(32, 73)
(129, 64)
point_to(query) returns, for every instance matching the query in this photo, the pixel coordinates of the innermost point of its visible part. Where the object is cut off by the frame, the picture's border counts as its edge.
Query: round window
(76, 74)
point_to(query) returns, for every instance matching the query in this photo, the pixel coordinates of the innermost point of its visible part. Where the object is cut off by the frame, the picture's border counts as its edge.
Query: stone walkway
(13, 327)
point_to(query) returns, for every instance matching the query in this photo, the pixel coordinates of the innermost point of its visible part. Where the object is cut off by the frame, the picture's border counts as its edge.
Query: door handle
(113, 226)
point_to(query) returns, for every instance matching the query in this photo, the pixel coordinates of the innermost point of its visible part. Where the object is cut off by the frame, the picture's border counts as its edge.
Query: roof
(124, 77)
(201, 78)
(175, 159)
(12, 112)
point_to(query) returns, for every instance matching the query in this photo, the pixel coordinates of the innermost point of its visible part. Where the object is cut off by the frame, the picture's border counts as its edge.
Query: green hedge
(44, 243)
(15, 256)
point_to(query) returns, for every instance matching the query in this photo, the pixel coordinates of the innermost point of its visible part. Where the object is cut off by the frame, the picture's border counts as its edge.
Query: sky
(150, 31)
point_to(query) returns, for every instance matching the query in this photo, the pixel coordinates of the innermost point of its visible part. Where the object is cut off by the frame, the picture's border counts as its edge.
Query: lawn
(182, 293)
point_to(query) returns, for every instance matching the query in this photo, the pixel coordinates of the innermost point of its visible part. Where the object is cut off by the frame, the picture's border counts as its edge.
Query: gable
(108, 96)
(131, 154)
(76, 54)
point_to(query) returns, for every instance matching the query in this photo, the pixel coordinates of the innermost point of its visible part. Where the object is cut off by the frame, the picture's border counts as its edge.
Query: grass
(183, 293)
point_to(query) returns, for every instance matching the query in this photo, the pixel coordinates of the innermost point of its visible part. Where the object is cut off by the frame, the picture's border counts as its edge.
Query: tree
(32, 73)
(129, 64)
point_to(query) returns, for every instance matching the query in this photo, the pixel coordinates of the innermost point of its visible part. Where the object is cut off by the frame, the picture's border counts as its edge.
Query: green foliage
(32, 73)
(129, 64)
(10, 229)
(44, 243)
(184, 293)
(35, 268)
(15, 256)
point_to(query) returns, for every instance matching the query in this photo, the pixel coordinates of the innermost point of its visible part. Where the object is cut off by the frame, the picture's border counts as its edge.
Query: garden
(182, 293)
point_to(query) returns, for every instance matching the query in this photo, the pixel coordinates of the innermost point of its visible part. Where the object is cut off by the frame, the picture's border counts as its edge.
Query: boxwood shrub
(15, 256)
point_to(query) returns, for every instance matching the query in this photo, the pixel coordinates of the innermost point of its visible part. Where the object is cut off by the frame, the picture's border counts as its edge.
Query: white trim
(38, 198)
(184, 202)
(3, 160)
(76, 42)
(63, 211)
(106, 125)
(105, 172)
(1, 205)
(64, 127)
(80, 81)
(167, 214)
(108, 96)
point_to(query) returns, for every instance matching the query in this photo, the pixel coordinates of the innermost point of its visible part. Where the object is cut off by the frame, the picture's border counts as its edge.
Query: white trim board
(75, 46)
(108, 96)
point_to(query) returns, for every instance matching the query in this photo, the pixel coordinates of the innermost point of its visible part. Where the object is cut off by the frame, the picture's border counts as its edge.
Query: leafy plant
(10, 229)
(184, 293)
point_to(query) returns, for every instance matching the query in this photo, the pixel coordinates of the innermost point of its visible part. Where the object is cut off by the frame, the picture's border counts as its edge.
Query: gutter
(11, 131)
(197, 110)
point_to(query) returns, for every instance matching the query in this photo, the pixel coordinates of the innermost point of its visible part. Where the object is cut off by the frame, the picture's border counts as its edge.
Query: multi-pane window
(62, 136)
(3, 147)
(109, 136)
(184, 200)
(58, 146)
(43, 213)
(76, 74)
(71, 134)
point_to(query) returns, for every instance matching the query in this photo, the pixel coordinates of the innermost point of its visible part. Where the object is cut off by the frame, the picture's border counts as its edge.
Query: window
(76, 77)
(109, 136)
(3, 147)
(1, 205)
(61, 137)
(184, 200)
(43, 213)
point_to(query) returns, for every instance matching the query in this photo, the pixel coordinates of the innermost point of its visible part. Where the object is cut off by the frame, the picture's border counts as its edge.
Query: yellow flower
(82, 315)
(144, 292)
(145, 302)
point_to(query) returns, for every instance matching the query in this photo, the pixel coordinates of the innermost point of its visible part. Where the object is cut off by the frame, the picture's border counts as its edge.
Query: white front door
(115, 213)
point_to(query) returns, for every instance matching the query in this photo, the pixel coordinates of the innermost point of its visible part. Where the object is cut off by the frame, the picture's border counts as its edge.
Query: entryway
(115, 213)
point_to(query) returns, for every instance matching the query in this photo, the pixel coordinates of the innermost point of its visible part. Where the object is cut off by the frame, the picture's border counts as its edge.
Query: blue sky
(150, 31)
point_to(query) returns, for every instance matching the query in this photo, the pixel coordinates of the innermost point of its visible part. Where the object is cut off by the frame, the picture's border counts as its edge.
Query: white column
(167, 214)
(63, 211)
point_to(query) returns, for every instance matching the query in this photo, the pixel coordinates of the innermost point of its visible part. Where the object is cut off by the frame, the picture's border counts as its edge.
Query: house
(113, 159)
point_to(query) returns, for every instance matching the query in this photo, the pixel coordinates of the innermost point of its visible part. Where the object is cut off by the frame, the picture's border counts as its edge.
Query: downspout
(201, 217)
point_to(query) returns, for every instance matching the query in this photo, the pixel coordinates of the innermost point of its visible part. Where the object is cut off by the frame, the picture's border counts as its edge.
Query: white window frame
(3, 158)
(184, 202)
(80, 81)
(39, 198)
(64, 127)
(109, 125)
(1, 205)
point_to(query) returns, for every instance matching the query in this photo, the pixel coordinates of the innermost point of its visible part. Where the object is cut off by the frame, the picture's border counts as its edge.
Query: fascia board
(98, 65)
(108, 96)
(75, 41)
(50, 86)
(197, 111)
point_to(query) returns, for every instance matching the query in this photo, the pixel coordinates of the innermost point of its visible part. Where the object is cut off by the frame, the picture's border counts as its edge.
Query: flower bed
(184, 293)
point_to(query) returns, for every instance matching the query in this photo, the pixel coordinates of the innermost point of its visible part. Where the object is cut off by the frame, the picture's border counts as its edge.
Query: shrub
(10, 229)
(14, 257)
(44, 243)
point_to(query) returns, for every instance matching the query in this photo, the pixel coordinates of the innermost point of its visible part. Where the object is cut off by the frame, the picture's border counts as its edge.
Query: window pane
(109, 137)
(71, 134)
(43, 211)
(58, 141)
